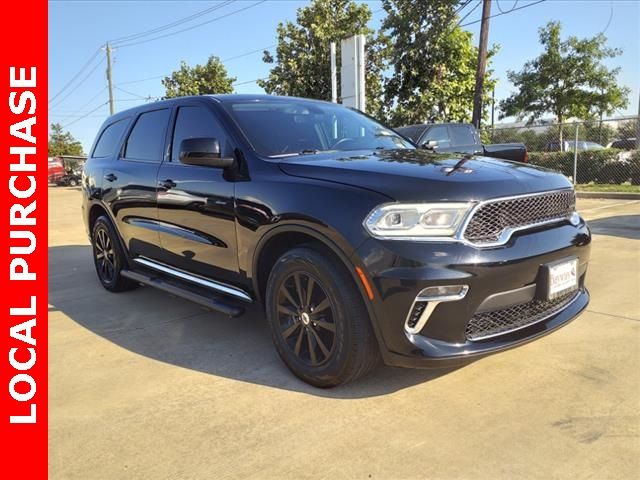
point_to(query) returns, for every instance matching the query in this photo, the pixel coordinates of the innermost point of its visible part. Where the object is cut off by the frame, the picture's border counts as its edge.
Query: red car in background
(56, 169)
(66, 170)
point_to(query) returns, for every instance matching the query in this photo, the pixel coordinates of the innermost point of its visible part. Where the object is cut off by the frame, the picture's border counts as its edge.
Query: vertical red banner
(23, 253)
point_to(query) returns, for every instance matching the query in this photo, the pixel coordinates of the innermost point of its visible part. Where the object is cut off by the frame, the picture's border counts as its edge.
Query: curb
(609, 195)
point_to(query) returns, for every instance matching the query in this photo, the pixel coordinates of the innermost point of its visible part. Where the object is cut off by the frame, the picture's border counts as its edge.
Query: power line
(608, 21)
(82, 69)
(248, 81)
(131, 93)
(515, 4)
(79, 111)
(167, 26)
(84, 79)
(469, 12)
(192, 26)
(224, 60)
(84, 116)
(258, 50)
(499, 14)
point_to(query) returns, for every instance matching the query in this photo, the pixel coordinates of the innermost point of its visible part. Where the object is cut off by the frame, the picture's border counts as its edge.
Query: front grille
(494, 217)
(499, 322)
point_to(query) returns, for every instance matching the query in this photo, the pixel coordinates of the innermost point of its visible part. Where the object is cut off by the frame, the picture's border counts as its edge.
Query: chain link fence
(589, 153)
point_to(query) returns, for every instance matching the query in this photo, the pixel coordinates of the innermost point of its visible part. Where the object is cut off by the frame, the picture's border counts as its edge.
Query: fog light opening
(427, 301)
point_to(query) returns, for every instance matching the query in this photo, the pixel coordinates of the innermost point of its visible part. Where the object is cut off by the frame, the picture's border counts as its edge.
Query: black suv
(358, 245)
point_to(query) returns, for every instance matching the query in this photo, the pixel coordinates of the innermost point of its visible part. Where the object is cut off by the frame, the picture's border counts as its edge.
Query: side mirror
(430, 145)
(204, 152)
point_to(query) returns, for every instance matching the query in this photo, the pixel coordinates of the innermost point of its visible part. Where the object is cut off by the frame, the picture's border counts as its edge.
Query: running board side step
(216, 304)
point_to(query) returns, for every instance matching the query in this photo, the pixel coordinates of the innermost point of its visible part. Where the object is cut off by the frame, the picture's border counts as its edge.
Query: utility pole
(482, 63)
(334, 74)
(109, 81)
(638, 125)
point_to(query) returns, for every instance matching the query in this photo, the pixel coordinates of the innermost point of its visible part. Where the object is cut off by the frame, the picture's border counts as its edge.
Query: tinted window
(197, 122)
(146, 141)
(462, 135)
(278, 128)
(412, 131)
(110, 139)
(440, 134)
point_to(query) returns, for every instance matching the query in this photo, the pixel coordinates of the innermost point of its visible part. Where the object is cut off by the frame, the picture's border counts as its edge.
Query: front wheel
(319, 323)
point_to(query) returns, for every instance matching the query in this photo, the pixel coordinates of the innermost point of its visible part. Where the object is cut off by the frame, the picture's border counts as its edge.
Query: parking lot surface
(145, 385)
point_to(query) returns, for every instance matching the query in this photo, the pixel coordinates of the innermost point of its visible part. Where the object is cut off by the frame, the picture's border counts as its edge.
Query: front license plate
(563, 277)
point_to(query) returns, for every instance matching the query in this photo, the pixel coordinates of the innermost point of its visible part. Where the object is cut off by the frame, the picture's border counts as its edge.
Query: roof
(222, 98)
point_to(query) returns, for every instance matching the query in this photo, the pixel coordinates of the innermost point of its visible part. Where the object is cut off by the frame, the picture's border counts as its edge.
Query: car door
(196, 203)
(130, 182)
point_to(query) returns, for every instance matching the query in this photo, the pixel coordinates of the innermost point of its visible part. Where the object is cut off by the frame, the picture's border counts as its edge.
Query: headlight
(417, 219)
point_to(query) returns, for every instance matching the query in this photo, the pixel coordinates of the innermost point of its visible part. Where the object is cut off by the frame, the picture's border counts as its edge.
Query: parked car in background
(570, 146)
(356, 244)
(66, 170)
(624, 144)
(56, 170)
(460, 138)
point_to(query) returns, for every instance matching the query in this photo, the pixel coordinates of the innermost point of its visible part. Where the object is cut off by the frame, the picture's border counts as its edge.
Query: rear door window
(109, 140)
(146, 140)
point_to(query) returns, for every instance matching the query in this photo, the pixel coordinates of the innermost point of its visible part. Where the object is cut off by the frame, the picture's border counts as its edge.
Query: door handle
(110, 178)
(168, 183)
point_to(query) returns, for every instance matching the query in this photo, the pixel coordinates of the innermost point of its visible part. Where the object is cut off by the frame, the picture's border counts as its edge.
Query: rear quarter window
(462, 135)
(109, 139)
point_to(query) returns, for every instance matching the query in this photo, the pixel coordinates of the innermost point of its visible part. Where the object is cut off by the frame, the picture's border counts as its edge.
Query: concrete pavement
(144, 385)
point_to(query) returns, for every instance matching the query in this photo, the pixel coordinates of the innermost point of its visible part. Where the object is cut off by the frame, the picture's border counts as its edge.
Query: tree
(302, 63)
(62, 143)
(204, 79)
(568, 80)
(434, 63)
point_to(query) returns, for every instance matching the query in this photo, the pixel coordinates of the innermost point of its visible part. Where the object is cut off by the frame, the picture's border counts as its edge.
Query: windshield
(280, 128)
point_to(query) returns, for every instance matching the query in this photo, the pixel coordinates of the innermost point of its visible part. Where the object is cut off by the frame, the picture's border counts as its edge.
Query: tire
(333, 315)
(73, 182)
(108, 266)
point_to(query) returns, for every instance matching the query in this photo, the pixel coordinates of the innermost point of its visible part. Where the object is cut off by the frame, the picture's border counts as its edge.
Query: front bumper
(399, 270)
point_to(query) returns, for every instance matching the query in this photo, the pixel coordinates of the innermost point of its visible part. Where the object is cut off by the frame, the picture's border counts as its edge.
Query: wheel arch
(281, 239)
(98, 209)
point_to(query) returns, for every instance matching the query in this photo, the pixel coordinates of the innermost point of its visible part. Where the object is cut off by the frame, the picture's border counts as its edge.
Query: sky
(78, 29)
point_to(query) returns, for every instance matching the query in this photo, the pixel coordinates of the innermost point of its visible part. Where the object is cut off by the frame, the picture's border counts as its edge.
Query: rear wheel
(319, 323)
(108, 257)
(73, 182)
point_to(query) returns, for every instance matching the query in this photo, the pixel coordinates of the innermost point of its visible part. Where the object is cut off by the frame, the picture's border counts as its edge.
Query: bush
(597, 166)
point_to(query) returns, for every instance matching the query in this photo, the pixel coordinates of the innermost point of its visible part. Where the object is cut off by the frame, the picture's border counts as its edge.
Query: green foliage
(302, 63)
(568, 80)
(606, 166)
(434, 63)
(62, 143)
(204, 79)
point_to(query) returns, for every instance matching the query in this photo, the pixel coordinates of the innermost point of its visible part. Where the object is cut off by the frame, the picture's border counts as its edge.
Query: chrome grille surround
(506, 320)
(492, 222)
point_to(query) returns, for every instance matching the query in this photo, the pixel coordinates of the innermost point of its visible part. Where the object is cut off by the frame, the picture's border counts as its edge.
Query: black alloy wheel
(306, 318)
(104, 255)
(109, 257)
(319, 322)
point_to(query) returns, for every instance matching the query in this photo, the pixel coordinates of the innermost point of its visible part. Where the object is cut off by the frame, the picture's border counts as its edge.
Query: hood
(420, 175)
